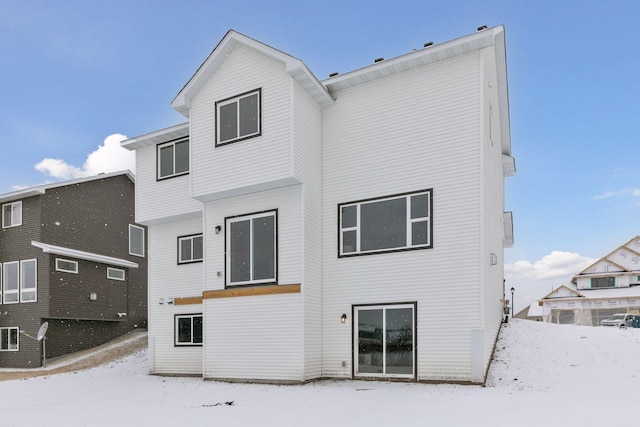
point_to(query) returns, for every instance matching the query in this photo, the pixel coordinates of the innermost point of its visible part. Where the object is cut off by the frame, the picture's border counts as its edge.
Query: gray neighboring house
(72, 256)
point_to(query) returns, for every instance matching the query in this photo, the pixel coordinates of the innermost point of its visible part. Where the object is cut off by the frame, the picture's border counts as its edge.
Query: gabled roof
(632, 247)
(295, 67)
(88, 256)
(157, 137)
(563, 291)
(41, 189)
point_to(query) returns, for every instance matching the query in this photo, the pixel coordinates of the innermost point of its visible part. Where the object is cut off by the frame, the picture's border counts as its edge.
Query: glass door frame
(355, 340)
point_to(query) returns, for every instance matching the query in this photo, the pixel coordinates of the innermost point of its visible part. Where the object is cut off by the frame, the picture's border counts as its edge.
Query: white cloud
(555, 265)
(632, 193)
(109, 157)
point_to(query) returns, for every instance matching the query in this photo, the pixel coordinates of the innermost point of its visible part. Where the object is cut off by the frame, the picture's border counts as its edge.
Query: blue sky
(73, 74)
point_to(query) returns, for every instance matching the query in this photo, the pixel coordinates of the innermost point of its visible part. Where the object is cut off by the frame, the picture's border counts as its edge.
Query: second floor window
(190, 249)
(385, 224)
(173, 158)
(251, 249)
(603, 282)
(238, 117)
(136, 240)
(11, 214)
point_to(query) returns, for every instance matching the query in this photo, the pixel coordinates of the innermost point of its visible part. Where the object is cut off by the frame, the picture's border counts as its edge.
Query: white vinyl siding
(257, 163)
(440, 147)
(169, 281)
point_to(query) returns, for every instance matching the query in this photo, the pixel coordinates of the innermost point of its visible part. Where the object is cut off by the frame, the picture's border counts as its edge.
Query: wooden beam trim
(187, 300)
(252, 291)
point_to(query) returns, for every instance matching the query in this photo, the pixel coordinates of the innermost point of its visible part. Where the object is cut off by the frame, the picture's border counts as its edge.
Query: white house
(609, 286)
(347, 228)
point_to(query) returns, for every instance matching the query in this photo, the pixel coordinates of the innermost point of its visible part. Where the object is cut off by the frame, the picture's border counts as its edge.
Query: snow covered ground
(542, 375)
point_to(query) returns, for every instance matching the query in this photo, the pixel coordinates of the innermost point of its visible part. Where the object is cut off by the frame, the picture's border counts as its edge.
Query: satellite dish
(42, 331)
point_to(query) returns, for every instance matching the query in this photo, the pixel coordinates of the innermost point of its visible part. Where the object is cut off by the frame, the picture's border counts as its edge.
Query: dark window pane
(136, 241)
(6, 216)
(240, 247)
(13, 339)
(184, 329)
(348, 241)
(4, 339)
(349, 216)
(197, 247)
(383, 225)
(603, 282)
(10, 277)
(249, 115)
(419, 233)
(185, 250)
(166, 161)
(420, 206)
(28, 274)
(182, 157)
(228, 125)
(370, 341)
(399, 341)
(263, 248)
(197, 329)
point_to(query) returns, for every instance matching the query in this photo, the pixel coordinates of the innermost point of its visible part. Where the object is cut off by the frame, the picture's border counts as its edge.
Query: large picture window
(9, 339)
(188, 329)
(238, 118)
(11, 214)
(190, 249)
(251, 249)
(384, 344)
(385, 224)
(173, 158)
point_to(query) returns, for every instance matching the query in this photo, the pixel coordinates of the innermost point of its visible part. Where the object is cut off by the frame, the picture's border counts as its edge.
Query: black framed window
(188, 329)
(173, 158)
(384, 224)
(190, 249)
(251, 249)
(238, 117)
(603, 282)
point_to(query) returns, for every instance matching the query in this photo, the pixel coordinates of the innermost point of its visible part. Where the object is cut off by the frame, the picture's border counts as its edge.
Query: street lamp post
(513, 306)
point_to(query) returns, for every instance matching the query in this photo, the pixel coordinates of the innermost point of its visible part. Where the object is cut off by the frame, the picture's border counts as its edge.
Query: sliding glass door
(384, 341)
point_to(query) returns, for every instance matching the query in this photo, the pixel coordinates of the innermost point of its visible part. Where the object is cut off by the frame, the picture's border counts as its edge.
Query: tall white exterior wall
(164, 200)
(307, 161)
(236, 168)
(168, 281)
(492, 190)
(255, 337)
(411, 131)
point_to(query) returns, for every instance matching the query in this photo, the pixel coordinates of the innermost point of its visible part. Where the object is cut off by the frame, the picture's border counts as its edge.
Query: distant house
(71, 255)
(347, 228)
(610, 285)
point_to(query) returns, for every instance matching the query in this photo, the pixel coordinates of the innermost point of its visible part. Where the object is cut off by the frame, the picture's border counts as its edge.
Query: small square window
(173, 159)
(115, 273)
(11, 214)
(238, 118)
(66, 265)
(188, 329)
(190, 249)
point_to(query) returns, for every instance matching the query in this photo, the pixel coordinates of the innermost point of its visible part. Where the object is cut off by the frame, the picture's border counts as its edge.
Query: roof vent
(378, 60)
(482, 27)
(333, 74)
(428, 44)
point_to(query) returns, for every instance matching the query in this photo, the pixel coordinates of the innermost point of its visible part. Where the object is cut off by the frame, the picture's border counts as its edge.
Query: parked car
(621, 320)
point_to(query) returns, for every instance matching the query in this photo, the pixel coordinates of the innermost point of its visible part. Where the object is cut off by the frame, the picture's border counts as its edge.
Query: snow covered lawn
(542, 375)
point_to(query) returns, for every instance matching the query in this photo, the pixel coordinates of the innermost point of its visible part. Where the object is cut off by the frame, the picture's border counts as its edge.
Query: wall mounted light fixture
(218, 229)
(343, 318)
